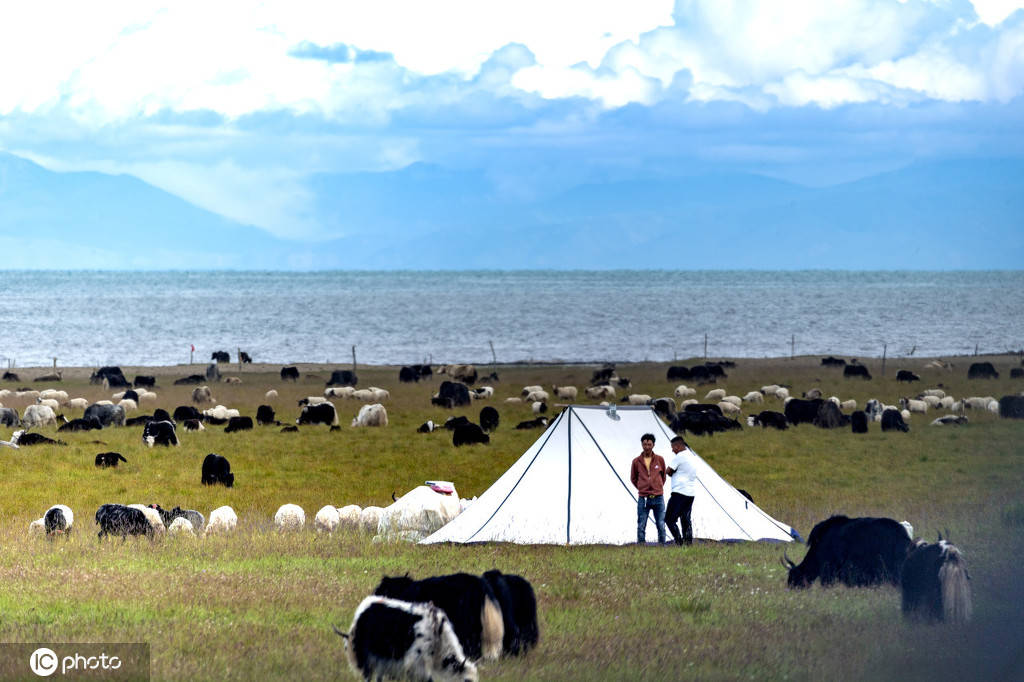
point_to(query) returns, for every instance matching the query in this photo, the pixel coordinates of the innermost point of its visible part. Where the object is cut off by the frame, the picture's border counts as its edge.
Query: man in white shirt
(684, 486)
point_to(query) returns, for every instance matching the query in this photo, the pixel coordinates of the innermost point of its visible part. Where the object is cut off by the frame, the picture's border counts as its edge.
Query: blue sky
(232, 106)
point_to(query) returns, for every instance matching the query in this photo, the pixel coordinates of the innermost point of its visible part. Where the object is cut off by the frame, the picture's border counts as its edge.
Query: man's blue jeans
(643, 506)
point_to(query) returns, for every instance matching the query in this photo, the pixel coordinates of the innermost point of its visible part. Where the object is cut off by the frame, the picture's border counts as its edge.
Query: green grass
(259, 605)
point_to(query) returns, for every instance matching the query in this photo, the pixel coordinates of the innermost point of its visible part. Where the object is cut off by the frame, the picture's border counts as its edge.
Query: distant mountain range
(945, 215)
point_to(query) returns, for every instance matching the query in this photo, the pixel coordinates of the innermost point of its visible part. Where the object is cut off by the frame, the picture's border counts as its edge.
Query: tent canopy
(572, 487)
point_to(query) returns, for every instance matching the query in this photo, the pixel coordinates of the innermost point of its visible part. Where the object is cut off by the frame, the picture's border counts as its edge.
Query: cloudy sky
(232, 105)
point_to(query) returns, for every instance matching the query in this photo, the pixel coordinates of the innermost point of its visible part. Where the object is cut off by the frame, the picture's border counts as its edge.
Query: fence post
(705, 346)
(885, 347)
(792, 347)
(353, 359)
(494, 358)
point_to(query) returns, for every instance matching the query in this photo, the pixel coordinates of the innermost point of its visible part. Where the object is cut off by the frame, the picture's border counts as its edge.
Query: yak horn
(788, 562)
(393, 498)
(339, 632)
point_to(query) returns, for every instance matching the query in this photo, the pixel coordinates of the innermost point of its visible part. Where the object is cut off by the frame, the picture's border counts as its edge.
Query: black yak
(935, 583)
(857, 552)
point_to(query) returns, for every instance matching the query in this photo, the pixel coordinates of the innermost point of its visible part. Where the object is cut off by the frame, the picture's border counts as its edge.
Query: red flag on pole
(193, 348)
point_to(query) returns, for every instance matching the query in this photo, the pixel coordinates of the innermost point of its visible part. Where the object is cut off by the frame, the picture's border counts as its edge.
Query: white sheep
(734, 399)
(688, 401)
(974, 403)
(638, 399)
(78, 404)
(782, 393)
(38, 415)
(348, 516)
(728, 408)
(147, 396)
(539, 407)
(363, 394)
(514, 399)
(715, 395)
(52, 393)
(993, 406)
(564, 392)
(537, 396)
(270, 395)
(339, 392)
(936, 392)
(103, 402)
(527, 390)
(754, 397)
(369, 519)
(327, 519)
(848, 405)
(222, 520)
(153, 516)
(770, 390)
(380, 394)
(221, 412)
(181, 526)
(931, 401)
(946, 402)
(905, 414)
(602, 392)
(37, 527)
(373, 414)
(49, 402)
(918, 406)
(128, 404)
(27, 395)
(290, 517)
(684, 391)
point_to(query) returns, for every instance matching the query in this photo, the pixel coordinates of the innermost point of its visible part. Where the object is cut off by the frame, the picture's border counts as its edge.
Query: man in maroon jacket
(648, 475)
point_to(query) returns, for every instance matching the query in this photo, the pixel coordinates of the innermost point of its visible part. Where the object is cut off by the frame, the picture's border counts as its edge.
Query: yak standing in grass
(468, 601)
(857, 552)
(935, 583)
(518, 610)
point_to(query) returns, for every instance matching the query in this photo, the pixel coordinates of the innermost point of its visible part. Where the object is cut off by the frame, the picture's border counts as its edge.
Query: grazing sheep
(27, 395)
(37, 527)
(348, 516)
(931, 401)
(919, 406)
(514, 400)
(371, 415)
(221, 412)
(147, 396)
(222, 520)
(754, 397)
(181, 526)
(380, 394)
(152, 516)
(812, 394)
(714, 395)
(974, 403)
(937, 392)
(48, 402)
(602, 392)
(312, 400)
(946, 402)
(339, 392)
(728, 408)
(128, 405)
(78, 404)
(537, 396)
(565, 392)
(290, 517)
(527, 390)
(232, 380)
(363, 394)
(327, 519)
(58, 520)
(482, 393)
(369, 519)
(270, 395)
(194, 518)
(734, 399)
(684, 391)
(539, 407)
(637, 399)
(38, 415)
(782, 393)
(688, 401)
(52, 393)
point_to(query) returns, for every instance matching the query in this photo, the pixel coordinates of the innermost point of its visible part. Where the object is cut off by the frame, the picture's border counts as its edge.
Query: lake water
(152, 318)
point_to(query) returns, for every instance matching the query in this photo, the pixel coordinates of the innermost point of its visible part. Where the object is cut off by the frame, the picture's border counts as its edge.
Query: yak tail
(956, 587)
(343, 635)
(492, 630)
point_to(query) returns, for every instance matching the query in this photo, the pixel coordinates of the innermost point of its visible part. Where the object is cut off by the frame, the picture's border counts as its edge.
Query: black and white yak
(391, 638)
(935, 583)
(468, 601)
(518, 610)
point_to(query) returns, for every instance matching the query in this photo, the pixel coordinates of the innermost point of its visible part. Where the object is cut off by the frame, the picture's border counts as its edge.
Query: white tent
(572, 487)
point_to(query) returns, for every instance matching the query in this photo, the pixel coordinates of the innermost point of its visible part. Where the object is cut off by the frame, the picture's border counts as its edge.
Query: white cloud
(992, 12)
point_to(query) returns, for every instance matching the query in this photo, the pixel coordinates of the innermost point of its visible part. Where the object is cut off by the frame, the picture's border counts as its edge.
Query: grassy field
(259, 605)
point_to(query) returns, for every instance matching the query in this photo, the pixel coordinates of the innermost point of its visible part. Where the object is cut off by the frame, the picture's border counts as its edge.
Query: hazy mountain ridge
(928, 216)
